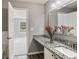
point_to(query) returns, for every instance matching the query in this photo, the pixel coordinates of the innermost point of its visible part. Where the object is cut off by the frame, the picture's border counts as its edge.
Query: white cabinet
(48, 54)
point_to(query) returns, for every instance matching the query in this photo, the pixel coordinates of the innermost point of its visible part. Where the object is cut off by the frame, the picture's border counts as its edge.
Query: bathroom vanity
(55, 50)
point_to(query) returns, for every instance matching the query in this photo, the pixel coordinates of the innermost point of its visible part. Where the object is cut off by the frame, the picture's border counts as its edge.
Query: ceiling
(69, 8)
(34, 1)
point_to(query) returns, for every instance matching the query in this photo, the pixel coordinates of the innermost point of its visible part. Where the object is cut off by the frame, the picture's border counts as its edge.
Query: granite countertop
(45, 42)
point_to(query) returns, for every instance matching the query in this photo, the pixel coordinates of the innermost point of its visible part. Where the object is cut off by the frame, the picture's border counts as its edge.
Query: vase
(65, 32)
(51, 39)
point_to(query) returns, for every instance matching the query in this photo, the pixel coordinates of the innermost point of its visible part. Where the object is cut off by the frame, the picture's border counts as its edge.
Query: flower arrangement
(66, 29)
(51, 31)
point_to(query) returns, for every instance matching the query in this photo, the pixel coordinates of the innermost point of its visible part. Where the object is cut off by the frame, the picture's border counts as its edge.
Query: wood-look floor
(37, 56)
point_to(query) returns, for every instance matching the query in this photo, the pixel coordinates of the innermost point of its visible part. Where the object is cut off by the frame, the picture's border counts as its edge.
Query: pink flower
(56, 27)
(64, 27)
(59, 27)
(48, 28)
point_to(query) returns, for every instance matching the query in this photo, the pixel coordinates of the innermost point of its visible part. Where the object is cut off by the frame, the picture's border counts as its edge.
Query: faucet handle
(75, 46)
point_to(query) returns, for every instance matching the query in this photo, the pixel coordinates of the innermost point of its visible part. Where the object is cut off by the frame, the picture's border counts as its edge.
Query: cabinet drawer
(48, 54)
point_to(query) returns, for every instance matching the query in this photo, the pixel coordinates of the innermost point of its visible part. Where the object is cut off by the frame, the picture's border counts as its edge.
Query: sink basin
(66, 51)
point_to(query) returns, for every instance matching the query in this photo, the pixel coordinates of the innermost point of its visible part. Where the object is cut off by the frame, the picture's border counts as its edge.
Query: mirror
(66, 16)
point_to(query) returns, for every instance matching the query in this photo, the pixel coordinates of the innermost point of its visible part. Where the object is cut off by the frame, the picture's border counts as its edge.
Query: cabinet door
(48, 54)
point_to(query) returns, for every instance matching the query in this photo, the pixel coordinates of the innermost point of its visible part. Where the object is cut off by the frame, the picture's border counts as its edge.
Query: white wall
(68, 19)
(36, 15)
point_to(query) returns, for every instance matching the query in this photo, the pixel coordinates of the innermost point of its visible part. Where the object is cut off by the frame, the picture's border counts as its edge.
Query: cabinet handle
(52, 55)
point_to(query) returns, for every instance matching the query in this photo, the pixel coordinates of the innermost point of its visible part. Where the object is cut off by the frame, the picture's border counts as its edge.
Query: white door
(10, 29)
(18, 32)
(20, 57)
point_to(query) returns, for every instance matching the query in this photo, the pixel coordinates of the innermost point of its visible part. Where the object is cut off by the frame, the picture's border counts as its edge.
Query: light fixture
(56, 5)
(53, 6)
(58, 2)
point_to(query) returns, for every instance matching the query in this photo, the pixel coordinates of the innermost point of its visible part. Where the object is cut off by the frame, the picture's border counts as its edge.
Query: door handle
(9, 38)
